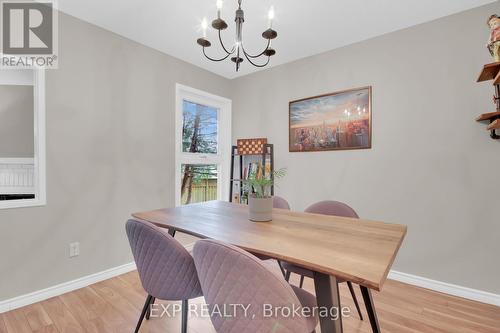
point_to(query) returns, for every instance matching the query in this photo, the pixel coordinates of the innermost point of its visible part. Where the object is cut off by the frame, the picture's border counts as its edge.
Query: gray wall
(16, 121)
(432, 167)
(110, 148)
(110, 152)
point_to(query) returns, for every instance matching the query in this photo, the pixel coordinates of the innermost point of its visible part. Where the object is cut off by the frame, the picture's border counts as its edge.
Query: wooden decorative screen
(251, 146)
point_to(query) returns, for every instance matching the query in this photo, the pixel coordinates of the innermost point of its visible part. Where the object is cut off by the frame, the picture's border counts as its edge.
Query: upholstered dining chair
(326, 208)
(230, 275)
(279, 202)
(165, 267)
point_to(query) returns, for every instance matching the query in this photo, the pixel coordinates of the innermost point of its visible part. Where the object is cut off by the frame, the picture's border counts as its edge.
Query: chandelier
(238, 50)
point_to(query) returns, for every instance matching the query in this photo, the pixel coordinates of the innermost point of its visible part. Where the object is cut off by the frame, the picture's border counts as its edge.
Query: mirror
(22, 138)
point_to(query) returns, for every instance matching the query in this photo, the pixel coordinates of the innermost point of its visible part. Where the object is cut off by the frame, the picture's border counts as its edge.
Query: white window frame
(38, 81)
(223, 156)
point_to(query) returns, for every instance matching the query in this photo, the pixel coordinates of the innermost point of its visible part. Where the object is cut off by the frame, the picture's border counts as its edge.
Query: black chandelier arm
(256, 65)
(224, 47)
(213, 59)
(258, 55)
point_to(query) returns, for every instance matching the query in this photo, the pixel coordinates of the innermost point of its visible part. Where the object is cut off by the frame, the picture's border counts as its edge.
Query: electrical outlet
(74, 249)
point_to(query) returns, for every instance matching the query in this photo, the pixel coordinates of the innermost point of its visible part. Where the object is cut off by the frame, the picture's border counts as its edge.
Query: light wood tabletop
(356, 250)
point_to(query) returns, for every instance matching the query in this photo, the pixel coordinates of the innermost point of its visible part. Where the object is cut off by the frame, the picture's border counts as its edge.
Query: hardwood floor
(114, 306)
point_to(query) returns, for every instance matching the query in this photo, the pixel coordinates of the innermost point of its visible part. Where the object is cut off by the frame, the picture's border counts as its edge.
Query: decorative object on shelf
(336, 121)
(251, 146)
(492, 72)
(238, 51)
(494, 40)
(245, 162)
(260, 200)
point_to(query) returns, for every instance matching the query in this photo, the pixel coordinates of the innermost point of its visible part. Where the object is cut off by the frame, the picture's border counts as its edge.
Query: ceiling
(305, 27)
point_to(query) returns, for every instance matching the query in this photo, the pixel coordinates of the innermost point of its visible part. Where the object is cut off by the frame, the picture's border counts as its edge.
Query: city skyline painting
(336, 121)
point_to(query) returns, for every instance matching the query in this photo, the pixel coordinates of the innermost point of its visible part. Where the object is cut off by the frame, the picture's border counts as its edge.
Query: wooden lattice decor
(251, 146)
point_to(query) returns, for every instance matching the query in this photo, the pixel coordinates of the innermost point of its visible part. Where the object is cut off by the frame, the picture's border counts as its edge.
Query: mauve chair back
(279, 202)
(330, 207)
(229, 275)
(165, 267)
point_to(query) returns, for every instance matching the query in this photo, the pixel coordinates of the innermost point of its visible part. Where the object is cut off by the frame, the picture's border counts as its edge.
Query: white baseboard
(446, 288)
(40, 295)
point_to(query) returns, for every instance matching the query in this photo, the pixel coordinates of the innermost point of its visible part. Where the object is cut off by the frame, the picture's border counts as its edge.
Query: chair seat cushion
(307, 300)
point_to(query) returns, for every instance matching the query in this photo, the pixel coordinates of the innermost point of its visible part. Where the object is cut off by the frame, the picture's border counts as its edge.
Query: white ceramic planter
(260, 209)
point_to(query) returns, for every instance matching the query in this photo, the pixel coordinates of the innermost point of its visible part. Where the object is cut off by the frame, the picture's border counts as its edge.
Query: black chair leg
(301, 281)
(351, 289)
(184, 316)
(148, 314)
(287, 276)
(143, 313)
(281, 268)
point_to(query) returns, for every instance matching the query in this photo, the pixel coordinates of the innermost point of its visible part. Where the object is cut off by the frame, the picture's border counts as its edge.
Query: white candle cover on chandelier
(219, 7)
(204, 26)
(270, 16)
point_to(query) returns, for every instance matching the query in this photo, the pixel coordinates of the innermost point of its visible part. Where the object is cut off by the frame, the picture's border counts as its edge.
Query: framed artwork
(337, 121)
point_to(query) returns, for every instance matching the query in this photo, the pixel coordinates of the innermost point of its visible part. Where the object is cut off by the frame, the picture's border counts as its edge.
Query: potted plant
(260, 200)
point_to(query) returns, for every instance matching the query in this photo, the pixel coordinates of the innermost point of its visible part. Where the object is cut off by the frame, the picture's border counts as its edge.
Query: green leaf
(260, 185)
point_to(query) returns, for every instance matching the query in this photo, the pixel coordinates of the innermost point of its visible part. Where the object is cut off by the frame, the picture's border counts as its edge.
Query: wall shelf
(488, 116)
(240, 170)
(494, 125)
(492, 72)
(489, 72)
(496, 81)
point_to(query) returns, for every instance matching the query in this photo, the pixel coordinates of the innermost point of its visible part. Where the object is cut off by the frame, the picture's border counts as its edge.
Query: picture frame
(340, 120)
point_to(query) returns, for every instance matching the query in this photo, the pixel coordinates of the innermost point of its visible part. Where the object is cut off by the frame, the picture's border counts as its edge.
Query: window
(22, 138)
(203, 146)
(199, 128)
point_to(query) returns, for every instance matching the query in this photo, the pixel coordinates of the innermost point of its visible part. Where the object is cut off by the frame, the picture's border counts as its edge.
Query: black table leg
(171, 232)
(328, 297)
(370, 308)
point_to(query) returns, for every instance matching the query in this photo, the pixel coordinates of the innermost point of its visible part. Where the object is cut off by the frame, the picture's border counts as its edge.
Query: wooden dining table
(334, 248)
